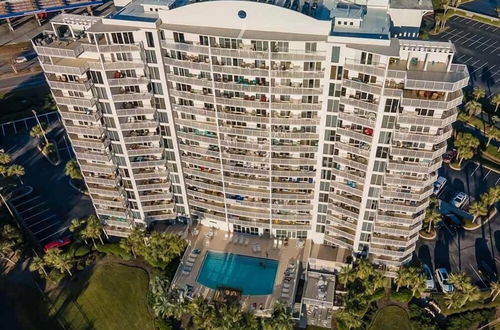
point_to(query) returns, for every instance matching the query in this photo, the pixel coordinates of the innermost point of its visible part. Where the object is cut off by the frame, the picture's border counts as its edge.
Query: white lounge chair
(254, 248)
(241, 240)
(285, 295)
(247, 241)
(285, 290)
(258, 247)
(235, 239)
(226, 236)
(189, 263)
(275, 245)
(280, 244)
(286, 285)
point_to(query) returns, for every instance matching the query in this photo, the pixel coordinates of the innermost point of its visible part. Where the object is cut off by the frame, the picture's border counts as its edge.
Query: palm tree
(4, 158)
(281, 317)
(72, 170)
(478, 209)
(404, 277)
(437, 24)
(76, 227)
(348, 319)
(459, 280)
(453, 299)
(38, 264)
(92, 229)
(492, 133)
(495, 100)
(495, 290)
(466, 144)
(347, 274)
(491, 197)
(377, 280)
(473, 108)
(469, 292)
(478, 93)
(49, 149)
(364, 269)
(203, 313)
(37, 131)
(417, 284)
(134, 241)
(17, 170)
(10, 238)
(431, 218)
(62, 262)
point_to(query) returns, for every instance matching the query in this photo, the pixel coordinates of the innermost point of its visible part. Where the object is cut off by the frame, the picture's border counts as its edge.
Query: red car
(57, 243)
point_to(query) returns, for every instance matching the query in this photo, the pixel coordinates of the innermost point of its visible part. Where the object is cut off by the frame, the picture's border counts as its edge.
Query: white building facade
(288, 118)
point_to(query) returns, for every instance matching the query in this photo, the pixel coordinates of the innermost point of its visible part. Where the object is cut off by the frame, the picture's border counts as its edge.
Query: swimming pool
(253, 276)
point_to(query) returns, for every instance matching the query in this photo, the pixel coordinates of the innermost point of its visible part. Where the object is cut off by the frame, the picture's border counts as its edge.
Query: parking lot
(478, 46)
(23, 125)
(38, 217)
(473, 252)
(53, 203)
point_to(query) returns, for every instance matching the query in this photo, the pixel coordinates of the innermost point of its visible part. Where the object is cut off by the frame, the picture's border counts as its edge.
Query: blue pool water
(253, 276)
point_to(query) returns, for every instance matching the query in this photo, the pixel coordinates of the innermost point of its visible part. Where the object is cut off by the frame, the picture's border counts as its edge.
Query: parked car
(460, 199)
(449, 155)
(452, 220)
(429, 279)
(489, 272)
(442, 279)
(439, 185)
(58, 243)
(21, 59)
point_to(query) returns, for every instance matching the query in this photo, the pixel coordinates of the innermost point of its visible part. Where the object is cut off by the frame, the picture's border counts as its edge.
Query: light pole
(40, 125)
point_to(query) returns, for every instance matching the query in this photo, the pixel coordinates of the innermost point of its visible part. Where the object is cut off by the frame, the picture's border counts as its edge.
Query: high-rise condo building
(321, 120)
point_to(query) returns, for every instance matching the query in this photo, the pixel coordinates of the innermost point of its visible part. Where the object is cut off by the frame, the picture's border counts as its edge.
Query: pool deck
(218, 241)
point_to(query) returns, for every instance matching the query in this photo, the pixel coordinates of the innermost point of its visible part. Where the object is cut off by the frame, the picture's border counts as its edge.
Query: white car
(429, 279)
(439, 185)
(460, 199)
(21, 59)
(442, 279)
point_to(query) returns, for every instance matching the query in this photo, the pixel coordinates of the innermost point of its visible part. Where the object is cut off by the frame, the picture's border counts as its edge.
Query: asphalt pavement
(53, 203)
(473, 252)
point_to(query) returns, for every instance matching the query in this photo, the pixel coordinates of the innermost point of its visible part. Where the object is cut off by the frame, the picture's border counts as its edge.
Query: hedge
(114, 249)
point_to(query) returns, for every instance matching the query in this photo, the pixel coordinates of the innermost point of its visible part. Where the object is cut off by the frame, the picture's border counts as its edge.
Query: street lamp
(40, 125)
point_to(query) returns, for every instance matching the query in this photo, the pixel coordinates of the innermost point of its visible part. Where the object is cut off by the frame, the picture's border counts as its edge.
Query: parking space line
(36, 223)
(463, 37)
(475, 170)
(29, 200)
(472, 64)
(476, 41)
(477, 274)
(57, 232)
(52, 225)
(497, 181)
(31, 208)
(491, 45)
(484, 178)
(494, 74)
(479, 67)
(34, 215)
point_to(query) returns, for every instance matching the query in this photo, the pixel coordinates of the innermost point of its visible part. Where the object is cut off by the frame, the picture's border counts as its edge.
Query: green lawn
(114, 297)
(19, 103)
(391, 318)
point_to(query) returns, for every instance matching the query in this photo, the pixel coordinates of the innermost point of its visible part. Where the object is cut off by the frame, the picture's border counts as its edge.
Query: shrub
(114, 249)
(82, 251)
(403, 296)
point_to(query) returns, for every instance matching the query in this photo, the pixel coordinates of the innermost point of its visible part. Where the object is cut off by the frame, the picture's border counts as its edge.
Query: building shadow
(424, 255)
(442, 250)
(484, 259)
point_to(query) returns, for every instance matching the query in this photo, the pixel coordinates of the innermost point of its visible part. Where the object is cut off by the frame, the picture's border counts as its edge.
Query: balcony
(349, 174)
(447, 118)
(363, 149)
(59, 82)
(87, 102)
(135, 112)
(417, 182)
(422, 167)
(171, 44)
(338, 221)
(359, 85)
(431, 100)
(342, 211)
(140, 125)
(200, 183)
(158, 207)
(441, 135)
(415, 196)
(363, 120)
(95, 168)
(370, 69)
(295, 72)
(397, 231)
(205, 174)
(155, 196)
(358, 103)
(136, 150)
(128, 81)
(141, 137)
(438, 151)
(82, 153)
(207, 205)
(215, 197)
(402, 242)
(350, 187)
(248, 69)
(399, 219)
(130, 97)
(194, 111)
(84, 130)
(153, 185)
(106, 181)
(89, 116)
(297, 55)
(66, 66)
(103, 192)
(144, 174)
(50, 45)
(293, 161)
(365, 135)
(111, 213)
(340, 242)
(187, 64)
(411, 207)
(355, 162)
(389, 252)
(141, 162)
(346, 198)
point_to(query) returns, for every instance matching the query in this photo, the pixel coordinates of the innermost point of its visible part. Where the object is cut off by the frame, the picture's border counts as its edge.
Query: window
(382, 152)
(261, 46)
(388, 122)
(179, 37)
(122, 38)
(366, 58)
(154, 73)
(377, 179)
(385, 137)
(150, 56)
(150, 39)
(311, 47)
(156, 88)
(95, 76)
(335, 54)
(391, 105)
(204, 41)
(379, 166)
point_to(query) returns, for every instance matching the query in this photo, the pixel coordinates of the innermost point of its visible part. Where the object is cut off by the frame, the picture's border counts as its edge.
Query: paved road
(25, 81)
(49, 182)
(478, 46)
